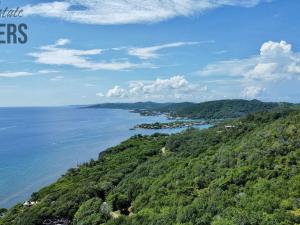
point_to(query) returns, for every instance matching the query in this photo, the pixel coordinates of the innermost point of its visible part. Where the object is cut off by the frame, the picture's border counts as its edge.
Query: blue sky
(87, 51)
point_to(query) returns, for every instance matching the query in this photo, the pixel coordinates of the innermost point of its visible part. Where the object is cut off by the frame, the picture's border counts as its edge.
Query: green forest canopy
(245, 171)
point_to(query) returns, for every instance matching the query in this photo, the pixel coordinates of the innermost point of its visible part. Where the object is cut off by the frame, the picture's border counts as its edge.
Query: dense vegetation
(247, 173)
(225, 109)
(207, 110)
(173, 124)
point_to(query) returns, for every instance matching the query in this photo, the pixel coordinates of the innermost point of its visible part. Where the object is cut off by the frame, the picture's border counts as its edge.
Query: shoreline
(35, 180)
(170, 125)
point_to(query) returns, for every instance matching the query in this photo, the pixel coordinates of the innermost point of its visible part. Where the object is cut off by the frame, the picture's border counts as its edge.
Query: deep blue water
(38, 145)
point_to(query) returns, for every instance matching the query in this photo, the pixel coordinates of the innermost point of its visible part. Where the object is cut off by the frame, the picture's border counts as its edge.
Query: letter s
(21, 29)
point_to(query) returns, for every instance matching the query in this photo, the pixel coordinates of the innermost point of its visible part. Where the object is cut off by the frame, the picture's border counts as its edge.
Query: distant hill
(225, 109)
(132, 106)
(219, 109)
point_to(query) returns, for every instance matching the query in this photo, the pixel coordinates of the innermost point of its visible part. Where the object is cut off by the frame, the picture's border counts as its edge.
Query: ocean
(38, 145)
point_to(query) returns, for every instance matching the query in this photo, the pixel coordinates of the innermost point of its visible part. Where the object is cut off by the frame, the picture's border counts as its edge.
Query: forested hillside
(219, 109)
(245, 171)
(225, 109)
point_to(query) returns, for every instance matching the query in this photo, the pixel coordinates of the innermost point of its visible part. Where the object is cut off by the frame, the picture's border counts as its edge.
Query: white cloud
(232, 68)
(265, 71)
(158, 85)
(25, 74)
(276, 61)
(62, 41)
(100, 94)
(116, 91)
(128, 11)
(252, 91)
(15, 74)
(176, 87)
(79, 58)
(47, 71)
(151, 52)
(272, 49)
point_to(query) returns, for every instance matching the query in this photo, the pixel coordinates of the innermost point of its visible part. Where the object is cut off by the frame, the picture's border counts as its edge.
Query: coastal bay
(38, 145)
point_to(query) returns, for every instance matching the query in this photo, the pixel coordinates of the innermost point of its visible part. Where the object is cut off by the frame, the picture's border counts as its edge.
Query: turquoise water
(38, 145)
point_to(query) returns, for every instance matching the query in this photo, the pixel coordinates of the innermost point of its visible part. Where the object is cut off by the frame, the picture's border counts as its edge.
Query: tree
(92, 212)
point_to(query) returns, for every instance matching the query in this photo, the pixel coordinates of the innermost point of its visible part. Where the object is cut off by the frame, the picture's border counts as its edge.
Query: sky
(89, 51)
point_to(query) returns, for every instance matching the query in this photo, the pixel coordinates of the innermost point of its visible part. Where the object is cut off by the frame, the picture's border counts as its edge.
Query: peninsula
(171, 125)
